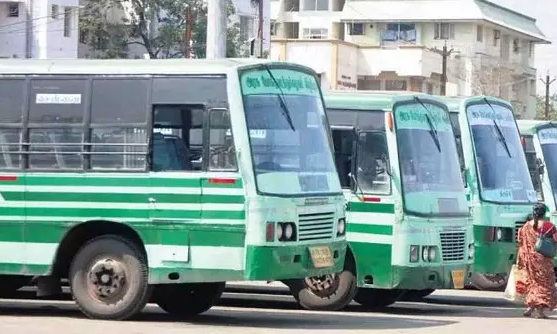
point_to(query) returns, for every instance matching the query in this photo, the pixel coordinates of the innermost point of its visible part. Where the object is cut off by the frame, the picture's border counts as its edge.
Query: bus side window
(373, 163)
(222, 153)
(343, 141)
(177, 138)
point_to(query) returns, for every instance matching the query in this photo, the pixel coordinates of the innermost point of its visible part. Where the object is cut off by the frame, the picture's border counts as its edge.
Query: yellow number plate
(321, 256)
(458, 279)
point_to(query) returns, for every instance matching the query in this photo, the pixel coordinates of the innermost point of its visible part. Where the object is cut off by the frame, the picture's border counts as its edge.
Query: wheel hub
(323, 286)
(106, 280)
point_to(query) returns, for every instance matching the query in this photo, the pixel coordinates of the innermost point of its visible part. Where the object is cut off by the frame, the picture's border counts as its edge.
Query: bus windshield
(288, 135)
(430, 169)
(501, 163)
(548, 142)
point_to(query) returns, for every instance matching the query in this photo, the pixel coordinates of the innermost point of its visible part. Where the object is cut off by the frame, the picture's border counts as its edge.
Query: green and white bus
(160, 180)
(408, 222)
(501, 193)
(539, 140)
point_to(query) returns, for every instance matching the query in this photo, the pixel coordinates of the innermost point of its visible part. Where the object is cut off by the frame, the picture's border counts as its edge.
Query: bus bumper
(494, 257)
(273, 263)
(432, 277)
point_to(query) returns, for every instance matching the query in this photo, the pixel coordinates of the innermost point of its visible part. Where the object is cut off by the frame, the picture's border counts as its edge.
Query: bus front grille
(453, 246)
(315, 226)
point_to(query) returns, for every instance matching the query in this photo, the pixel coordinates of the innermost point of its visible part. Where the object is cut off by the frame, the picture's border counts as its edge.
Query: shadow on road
(239, 318)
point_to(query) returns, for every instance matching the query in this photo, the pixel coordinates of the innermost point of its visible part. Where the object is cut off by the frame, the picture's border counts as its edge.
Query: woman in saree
(541, 295)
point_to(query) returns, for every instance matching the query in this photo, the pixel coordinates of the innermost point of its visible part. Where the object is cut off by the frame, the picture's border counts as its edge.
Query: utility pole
(216, 29)
(445, 54)
(547, 82)
(189, 18)
(260, 55)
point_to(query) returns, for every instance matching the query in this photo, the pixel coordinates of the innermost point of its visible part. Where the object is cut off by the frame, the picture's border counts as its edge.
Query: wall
(12, 32)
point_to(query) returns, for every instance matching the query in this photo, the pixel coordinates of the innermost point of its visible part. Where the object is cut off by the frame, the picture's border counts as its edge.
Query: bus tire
(109, 278)
(377, 298)
(189, 299)
(343, 287)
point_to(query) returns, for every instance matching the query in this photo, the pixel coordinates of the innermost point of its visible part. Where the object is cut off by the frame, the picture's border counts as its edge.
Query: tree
(540, 107)
(158, 26)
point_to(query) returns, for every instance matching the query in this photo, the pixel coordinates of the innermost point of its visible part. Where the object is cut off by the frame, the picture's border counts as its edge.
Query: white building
(38, 28)
(395, 44)
(246, 15)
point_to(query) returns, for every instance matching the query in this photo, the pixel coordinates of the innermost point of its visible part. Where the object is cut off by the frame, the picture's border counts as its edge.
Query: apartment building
(38, 28)
(397, 45)
(246, 14)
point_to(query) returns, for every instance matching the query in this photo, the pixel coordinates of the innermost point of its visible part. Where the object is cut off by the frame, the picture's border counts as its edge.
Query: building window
(395, 85)
(315, 33)
(54, 11)
(516, 45)
(67, 21)
(480, 33)
(246, 27)
(316, 4)
(496, 37)
(531, 49)
(273, 28)
(356, 29)
(13, 10)
(444, 31)
(400, 32)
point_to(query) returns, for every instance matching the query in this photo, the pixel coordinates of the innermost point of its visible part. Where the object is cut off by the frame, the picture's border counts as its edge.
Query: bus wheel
(109, 279)
(495, 282)
(377, 298)
(325, 293)
(417, 295)
(188, 299)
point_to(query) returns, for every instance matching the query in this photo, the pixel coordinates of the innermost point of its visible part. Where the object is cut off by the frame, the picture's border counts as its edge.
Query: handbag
(545, 245)
(516, 285)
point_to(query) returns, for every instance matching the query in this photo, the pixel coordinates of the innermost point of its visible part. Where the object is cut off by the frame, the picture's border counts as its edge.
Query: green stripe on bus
(121, 213)
(371, 207)
(119, 198)
(371, 229)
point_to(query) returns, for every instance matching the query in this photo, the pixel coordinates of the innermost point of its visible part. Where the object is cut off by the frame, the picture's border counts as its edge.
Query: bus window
(458, 139)
(177, 139)
(343, 140)
(532, 161)
(372, 173)
(222, 156)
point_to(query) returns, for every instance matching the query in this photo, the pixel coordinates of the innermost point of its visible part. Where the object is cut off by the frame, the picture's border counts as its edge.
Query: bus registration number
(458, 279)
(321, 256)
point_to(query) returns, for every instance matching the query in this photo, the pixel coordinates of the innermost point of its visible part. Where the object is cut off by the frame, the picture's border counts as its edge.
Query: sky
(545, 12)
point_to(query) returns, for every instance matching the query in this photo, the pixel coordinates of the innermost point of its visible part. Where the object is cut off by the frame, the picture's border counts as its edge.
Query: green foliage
(157, 25)
(540, 107)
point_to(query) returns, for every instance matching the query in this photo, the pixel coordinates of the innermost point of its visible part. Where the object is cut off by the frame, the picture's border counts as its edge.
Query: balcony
(405, 61)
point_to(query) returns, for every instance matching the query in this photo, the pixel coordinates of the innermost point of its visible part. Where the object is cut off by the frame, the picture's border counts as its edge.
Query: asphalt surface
(447, 312)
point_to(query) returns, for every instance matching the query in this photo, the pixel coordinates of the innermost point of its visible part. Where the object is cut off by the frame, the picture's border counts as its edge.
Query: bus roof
(530, 126)
(365, 99)
(454, 103)
(130, 66)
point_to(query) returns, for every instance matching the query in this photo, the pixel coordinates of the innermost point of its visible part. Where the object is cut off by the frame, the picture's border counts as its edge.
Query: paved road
(446, 312)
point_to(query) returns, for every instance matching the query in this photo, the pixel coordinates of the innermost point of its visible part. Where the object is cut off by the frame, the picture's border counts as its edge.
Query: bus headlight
(341, 228)
(279, 231)
(471, 251)
(425, 253)
(499, 234)
(288, 231)
(432, 254)
(414, 253)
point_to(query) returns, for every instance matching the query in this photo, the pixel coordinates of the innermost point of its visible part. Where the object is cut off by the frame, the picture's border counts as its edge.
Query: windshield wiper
(432, 130)
(501, 136)
(284, 107)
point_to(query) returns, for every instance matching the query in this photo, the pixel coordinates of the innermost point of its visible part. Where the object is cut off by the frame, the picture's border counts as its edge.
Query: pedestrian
(541, 294)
